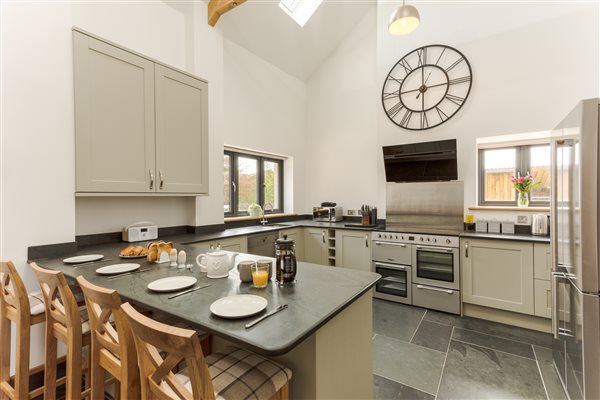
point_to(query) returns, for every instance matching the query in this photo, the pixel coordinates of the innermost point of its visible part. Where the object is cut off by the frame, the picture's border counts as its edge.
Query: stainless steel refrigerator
(575, 239)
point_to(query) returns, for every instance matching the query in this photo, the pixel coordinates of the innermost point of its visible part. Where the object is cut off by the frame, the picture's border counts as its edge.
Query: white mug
(216, 264)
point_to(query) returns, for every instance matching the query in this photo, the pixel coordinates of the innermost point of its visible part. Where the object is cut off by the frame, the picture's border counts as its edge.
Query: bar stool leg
(73, 366)
(50, 366)
(97, 382)
(22, 361)
(5, 328)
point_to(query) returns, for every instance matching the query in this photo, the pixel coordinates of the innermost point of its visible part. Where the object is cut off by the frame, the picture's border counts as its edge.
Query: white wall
(529, 71)
(341, 127)
(266, 112)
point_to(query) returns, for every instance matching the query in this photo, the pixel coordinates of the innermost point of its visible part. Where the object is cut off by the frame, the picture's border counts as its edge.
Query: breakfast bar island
(324, 336)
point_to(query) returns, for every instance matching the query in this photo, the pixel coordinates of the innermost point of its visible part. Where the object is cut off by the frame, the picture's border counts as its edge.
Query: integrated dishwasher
(262, 244)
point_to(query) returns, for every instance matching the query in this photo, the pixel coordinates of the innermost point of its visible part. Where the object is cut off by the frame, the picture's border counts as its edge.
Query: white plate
(117, 269)
(82, 259)
(238, 306)
(172, 283)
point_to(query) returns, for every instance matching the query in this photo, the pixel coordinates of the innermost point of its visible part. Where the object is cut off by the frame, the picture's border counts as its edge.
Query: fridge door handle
(556, 278)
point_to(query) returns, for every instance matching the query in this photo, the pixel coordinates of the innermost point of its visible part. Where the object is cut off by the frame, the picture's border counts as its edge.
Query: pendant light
(404, 20)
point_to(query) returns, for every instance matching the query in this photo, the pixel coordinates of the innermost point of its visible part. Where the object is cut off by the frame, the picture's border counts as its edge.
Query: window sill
(512, 209)
(268, 216)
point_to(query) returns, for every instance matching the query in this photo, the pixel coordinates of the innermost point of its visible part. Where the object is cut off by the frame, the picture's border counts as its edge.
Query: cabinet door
(315, 246)
(114, 118)
(204, 246)
(543, 298)
(295, 234)
(498, 274)
(181, 132)
(542, 261)
(238, 244)
(353, 250)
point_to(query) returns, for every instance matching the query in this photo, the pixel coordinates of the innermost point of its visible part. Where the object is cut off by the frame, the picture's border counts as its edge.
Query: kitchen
(319, 109)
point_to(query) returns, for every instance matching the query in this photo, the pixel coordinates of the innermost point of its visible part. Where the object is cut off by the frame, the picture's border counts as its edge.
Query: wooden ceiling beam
(216, 8)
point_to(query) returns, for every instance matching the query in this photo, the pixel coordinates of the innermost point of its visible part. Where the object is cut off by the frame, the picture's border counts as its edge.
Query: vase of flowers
(523, 185)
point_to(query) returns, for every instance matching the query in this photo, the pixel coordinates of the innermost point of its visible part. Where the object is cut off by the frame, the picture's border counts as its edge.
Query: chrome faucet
(263, 220)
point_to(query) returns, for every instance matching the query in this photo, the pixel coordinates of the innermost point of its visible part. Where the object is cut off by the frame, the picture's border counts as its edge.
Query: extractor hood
(421, 162)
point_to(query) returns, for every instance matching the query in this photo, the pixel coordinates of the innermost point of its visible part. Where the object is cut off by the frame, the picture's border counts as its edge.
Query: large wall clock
(426, 87)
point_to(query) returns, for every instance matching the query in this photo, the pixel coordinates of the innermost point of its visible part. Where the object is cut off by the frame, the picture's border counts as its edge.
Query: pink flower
(521, 180)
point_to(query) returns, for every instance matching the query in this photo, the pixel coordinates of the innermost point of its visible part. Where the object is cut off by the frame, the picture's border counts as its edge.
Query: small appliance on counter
(368, 218)
(140, 231)
(539, 224)
(285, 263)
(328, 212)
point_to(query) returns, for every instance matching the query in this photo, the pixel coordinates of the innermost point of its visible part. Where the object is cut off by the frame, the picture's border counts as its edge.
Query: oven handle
(390, 244)
(442, 249)
(448, 291)
(393, 266)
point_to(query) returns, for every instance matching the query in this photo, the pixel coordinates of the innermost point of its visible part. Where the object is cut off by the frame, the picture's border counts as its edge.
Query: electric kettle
(539, 224)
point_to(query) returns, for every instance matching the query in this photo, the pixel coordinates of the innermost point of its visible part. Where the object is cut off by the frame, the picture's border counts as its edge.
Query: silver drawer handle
(390, 244)
(151, 179)
(435, 289)
(448, 249)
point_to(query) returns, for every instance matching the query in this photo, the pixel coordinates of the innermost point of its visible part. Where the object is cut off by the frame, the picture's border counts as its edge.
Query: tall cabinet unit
(140, 126)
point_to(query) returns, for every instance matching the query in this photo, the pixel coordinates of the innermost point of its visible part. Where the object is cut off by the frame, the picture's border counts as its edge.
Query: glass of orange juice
(260, 275)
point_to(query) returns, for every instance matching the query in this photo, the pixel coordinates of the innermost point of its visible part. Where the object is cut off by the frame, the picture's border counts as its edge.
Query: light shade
(404, 20)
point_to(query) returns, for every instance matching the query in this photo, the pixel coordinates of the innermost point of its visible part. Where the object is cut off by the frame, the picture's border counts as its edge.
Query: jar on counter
(285, 264)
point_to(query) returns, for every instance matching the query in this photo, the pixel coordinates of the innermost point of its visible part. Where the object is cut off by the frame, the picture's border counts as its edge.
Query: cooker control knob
(380, 236)
(434, 240)
(396, 236)
(448, 241)
(402, 237)
(421, 238)
(428, 239)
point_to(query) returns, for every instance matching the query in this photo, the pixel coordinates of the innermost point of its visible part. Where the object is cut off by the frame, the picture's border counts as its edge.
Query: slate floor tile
(395, 320)
(386, 389)
(433, 335)
(406, 363)
(494, 342)
(474, 372)
(549, 374)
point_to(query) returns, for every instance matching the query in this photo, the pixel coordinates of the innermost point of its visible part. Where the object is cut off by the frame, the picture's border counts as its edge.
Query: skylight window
(300, 10)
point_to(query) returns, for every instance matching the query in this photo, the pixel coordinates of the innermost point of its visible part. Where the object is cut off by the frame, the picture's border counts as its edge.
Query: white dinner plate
(82, 259)
(117, 269)
(172, 283)
(238, 306)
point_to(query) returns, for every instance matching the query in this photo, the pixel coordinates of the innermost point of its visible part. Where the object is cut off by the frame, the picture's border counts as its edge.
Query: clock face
(426, 87)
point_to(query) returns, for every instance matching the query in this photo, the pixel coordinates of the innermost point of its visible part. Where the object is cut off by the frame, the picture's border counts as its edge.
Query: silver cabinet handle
(556, 278)
(390, 244)
(466, 249)
(366, 240)
(448, 291)
(323, 236)
(151, 179)
(160, 174)
(393, 266)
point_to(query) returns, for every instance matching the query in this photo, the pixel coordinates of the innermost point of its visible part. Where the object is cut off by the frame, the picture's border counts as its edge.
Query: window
(249, 179)
(300, 10)
(497, 165)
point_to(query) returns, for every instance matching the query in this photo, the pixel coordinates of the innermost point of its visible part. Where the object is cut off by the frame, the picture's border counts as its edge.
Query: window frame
(234, 182)
(522, 165)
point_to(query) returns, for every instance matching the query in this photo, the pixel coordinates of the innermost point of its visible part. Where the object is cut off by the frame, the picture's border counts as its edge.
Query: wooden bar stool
(17, 307)
(113, 348)
(238, 374)
(64, 322)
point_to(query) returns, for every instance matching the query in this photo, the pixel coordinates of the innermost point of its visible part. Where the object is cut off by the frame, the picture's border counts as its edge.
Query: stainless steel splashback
(431, 205)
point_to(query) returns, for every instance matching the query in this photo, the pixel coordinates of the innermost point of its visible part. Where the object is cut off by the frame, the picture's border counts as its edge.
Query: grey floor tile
(406, 363)
(395, 320)
(549, 374)
(433, 335)
(494, 342)
(386, 389)
(491, 328)
(474, 372)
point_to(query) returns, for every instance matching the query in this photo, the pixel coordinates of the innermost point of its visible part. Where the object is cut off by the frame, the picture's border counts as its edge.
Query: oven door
(436, 266)
(395, 282)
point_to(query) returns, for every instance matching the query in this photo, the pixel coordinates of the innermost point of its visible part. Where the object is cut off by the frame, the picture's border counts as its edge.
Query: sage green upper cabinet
(114, 118)
(140, 126)
(181, 126)
(353, 249)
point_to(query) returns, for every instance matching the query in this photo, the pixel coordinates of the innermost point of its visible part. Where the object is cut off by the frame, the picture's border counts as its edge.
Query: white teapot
(217, 264)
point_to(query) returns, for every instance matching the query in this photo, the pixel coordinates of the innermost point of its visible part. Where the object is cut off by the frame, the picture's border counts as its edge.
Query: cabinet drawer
(392, 252)
(446, 300)
(543, 298)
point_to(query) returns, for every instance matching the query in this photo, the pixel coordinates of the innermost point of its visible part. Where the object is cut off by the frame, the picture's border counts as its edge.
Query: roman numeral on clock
(454, 64)
(406, 118)
(443, 116)
(407, 67)
(462, 79)
(422, 53)
(396, 108)
(455, 99)
(391, 95)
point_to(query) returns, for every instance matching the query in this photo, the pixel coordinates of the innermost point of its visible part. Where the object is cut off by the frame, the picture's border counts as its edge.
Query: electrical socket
(522, 219)
(350, 212)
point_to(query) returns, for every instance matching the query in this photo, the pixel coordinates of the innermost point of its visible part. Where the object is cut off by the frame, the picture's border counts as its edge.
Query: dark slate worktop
(318, 296)
(523, 237)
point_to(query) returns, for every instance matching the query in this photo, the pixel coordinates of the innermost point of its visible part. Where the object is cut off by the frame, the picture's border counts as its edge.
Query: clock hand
(425, 81)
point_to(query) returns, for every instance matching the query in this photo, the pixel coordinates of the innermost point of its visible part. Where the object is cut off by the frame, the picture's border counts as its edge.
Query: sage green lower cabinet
(315, 245)
(295, 234)
(238, 244)
(542, 261)
(543, 298)
(498, 274)
(353, 249)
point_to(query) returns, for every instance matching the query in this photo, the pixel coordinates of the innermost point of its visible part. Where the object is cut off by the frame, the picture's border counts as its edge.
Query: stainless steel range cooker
(418, 269)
